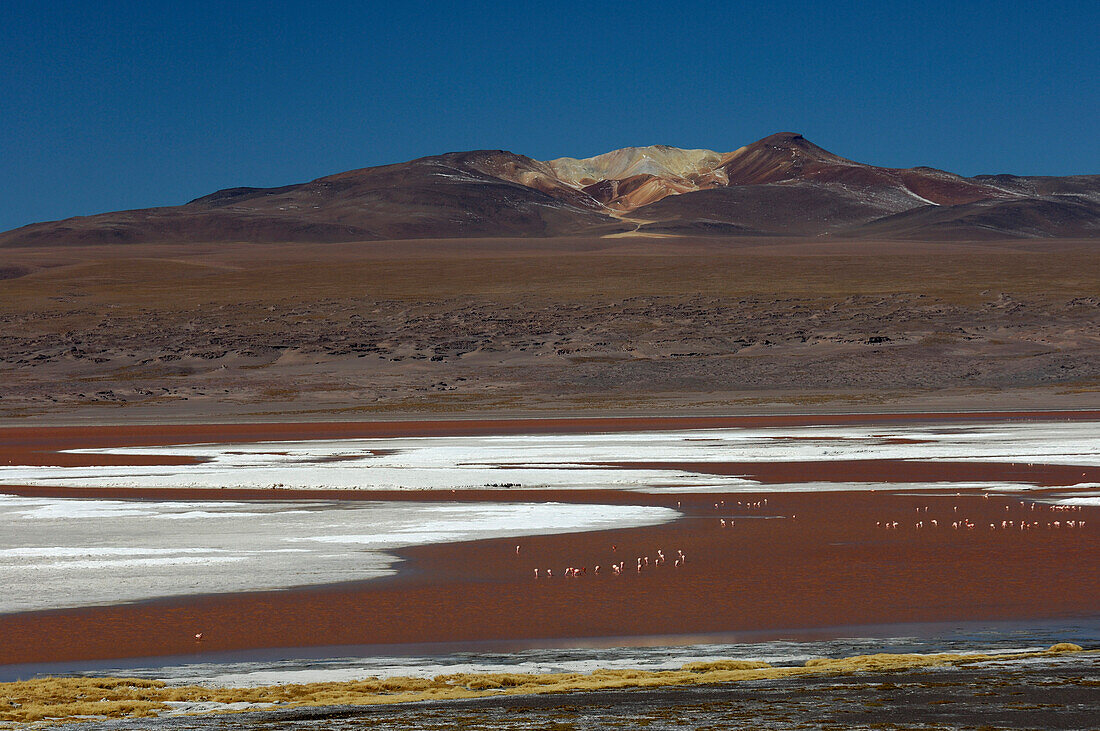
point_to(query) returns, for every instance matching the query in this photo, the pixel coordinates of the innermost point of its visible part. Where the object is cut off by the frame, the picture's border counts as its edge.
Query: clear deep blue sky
(113, 105)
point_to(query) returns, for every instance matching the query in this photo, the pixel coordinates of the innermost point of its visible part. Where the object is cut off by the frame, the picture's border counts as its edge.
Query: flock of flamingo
(617, 569)
(965, 523)
(643, 563)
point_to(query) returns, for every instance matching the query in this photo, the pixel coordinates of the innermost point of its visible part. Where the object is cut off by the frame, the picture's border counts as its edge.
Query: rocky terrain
(633, 324)
(780, 185)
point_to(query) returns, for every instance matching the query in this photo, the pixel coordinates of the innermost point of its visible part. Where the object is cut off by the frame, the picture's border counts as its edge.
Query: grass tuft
(53, 700)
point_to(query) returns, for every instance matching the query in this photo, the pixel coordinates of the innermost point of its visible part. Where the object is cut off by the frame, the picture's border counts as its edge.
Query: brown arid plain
(505, 327)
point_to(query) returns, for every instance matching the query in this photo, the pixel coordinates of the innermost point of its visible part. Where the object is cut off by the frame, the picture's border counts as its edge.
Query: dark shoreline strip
(45, 446)
(161, 434)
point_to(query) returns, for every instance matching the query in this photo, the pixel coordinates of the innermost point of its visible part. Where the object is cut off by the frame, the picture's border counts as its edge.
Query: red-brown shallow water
(802, 560)
(881, 470)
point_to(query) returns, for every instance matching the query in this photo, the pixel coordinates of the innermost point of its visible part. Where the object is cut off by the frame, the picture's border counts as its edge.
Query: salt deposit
(52, 555)
(574, 461)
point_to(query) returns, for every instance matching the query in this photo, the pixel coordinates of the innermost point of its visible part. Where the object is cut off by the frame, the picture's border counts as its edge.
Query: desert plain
(537, 326)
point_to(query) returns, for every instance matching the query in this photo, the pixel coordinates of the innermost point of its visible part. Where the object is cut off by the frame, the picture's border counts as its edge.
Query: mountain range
(782, 185)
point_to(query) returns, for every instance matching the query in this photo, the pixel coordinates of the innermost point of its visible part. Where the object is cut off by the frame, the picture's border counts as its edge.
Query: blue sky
(113, 105)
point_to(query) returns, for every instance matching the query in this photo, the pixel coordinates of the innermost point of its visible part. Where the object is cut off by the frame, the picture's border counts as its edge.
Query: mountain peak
(782, 184)
(786, 139)
(794, 144)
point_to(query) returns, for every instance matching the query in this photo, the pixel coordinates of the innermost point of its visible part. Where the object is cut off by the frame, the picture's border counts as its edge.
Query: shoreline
(1066, 398)
(932, 637)
(55, 699)
(341, 416)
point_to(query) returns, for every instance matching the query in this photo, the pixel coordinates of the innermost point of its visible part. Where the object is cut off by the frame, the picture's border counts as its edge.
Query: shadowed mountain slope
(1036, 185)
(780, 185)
(468, 194)
(795, 208)
(1056, 216)
(790, 157)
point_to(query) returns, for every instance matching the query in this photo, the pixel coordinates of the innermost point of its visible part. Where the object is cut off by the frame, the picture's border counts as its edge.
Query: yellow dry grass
(68, 699)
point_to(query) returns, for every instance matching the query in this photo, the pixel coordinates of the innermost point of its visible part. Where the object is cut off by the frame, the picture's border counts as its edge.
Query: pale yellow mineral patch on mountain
(660, 161)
